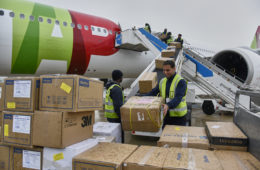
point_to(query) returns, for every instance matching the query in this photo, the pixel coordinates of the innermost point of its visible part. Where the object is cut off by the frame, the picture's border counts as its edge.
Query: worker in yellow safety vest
(168, 39)
(179, 39)
(147, 28)
(173, 89)
(114, 99)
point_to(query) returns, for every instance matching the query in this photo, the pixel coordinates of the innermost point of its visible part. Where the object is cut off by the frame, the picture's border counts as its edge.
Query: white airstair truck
(223, 75)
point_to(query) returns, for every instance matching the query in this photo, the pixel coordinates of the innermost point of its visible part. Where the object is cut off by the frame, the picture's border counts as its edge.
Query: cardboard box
(1, 118)
(147, 82)
(21, 94)
(104, 156)
(61, 159)
(1, 96)
(17, 128)
(226, 136)
(184, 136)
(142, 114)
(187, 158)
(5, 157)
(176, 44)
(108, 129)
(146, 158)
(168, 53)
(235, 160)
(61, 129)
(159, 62)
(71, 93)
(26, 158)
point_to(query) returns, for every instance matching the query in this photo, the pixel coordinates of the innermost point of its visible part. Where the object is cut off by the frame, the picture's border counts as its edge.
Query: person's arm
(179, 93)
(117, 97)
(154, 91)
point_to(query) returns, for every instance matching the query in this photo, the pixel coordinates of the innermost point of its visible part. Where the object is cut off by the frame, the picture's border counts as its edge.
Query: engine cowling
(242, 62)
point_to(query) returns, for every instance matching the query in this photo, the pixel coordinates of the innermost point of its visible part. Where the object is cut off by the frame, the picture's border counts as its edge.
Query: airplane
(39, 39)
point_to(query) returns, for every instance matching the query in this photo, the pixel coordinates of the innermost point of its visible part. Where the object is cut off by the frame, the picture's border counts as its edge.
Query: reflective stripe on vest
(181, 109)
(109, 106)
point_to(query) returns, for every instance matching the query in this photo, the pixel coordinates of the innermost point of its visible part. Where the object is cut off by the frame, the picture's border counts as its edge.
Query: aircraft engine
(242, 62)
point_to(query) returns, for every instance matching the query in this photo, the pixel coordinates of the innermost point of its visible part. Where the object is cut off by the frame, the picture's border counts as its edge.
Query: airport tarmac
(198, 119)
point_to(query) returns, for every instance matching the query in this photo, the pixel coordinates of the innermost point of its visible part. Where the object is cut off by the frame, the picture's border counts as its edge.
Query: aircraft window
(2, 13)
(32, 18)
(79, 26)
(49, 21)
(105, 31)
(85, 27)
(11, 14)
(40, 19)
(92, 28)
(57, 22)
(72, 25)
(65, 24)
(99, 30)
(22, 16)
(110, 32)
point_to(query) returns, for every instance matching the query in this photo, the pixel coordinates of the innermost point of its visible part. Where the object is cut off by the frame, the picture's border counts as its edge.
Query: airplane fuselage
(40, 39)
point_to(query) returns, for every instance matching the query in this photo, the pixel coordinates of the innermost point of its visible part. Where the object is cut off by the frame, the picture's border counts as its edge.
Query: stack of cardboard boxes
(194, 143)
(56, 113)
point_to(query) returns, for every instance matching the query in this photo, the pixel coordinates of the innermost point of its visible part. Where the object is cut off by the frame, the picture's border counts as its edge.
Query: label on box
(11, 105)
(65, 87)
(31, 159)
(58, 156)
(22, 124)
(145, 101)
(0, 92)
(6, 130)
(140, 116)
(22, 88)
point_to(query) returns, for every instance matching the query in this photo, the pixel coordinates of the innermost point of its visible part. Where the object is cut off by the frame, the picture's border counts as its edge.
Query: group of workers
(165, 36)
(172, 89)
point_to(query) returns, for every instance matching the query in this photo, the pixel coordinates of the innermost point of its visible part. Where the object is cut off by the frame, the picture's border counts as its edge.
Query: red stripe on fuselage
(85, 44)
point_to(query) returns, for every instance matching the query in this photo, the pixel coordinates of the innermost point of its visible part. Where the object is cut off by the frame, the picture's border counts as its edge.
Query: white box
(108, 129)
(61, 159)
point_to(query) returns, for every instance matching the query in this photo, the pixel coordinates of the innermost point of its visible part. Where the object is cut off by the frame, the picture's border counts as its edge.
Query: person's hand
(165, 109)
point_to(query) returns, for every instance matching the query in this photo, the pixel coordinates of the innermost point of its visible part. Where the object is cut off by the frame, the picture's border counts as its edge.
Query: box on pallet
(184, 136)
(21, 94)
(71, 93)
(104, 156)
(61, 129)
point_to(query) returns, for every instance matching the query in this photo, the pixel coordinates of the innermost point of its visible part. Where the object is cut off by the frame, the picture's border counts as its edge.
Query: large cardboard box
(187, 158)
(104, 156)
(61, 159)
(21, 94)
(1, 96)
(226, 136)
(17, 128)
(147, 82)
(142, 114)
(159, 62)
(146, 158)
(108, 129)
(184, 136)
(236, 160)
(5, 157)
(71, 93)
(176, 44)
(26, 158)
(168, 53)
(61, 129)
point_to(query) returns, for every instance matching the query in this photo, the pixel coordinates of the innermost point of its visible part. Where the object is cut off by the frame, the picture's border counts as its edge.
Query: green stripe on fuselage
(33, 40)
(253, 45)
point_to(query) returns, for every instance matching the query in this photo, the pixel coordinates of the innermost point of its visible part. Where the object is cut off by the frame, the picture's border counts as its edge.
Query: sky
(212, 24)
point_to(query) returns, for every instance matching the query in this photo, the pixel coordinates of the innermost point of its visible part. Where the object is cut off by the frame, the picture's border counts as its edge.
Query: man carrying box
(114, 99)
(173, 89)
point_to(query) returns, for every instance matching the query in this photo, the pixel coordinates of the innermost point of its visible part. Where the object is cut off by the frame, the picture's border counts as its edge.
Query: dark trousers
(110, 120)
(174, 120)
